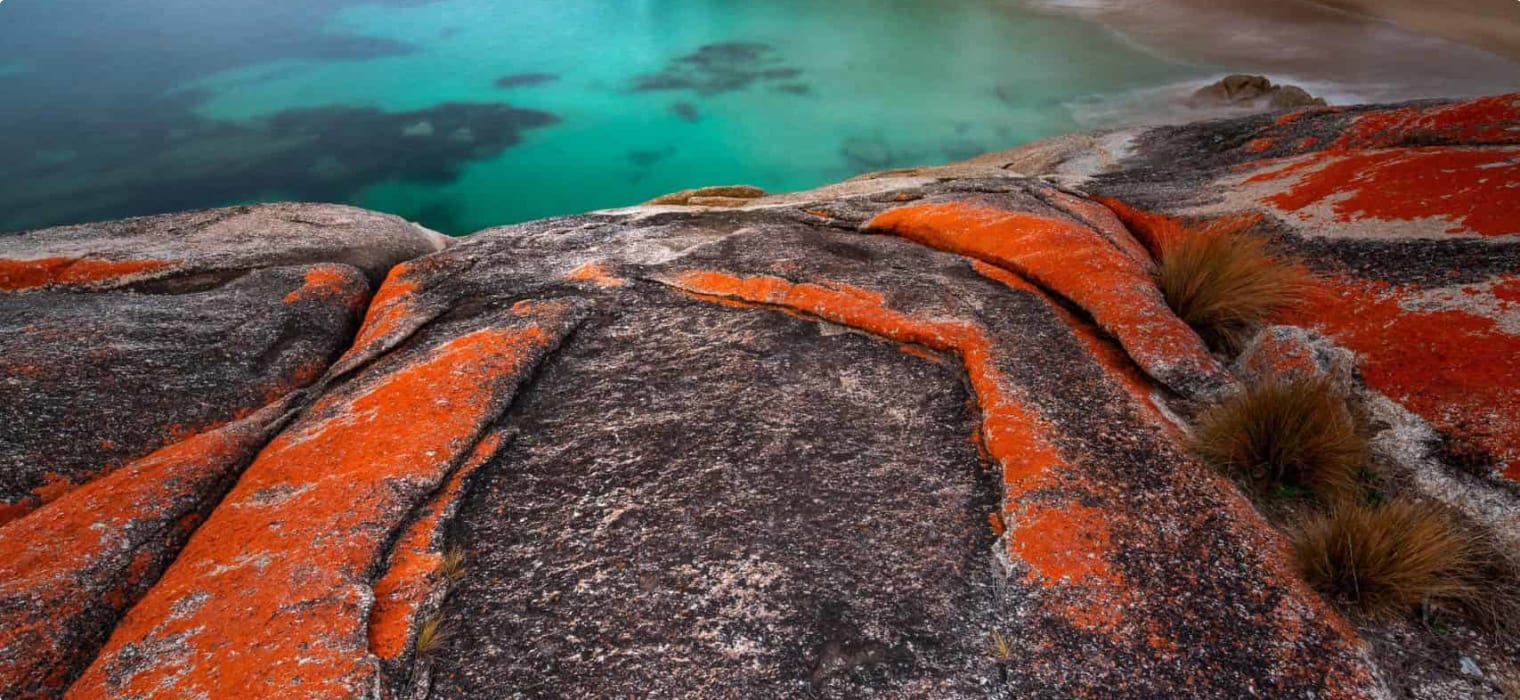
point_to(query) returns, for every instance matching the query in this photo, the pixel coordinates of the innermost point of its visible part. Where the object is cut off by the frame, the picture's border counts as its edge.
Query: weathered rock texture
(910, 436)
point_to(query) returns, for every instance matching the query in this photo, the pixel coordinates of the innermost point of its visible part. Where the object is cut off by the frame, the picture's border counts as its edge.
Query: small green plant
(431, 635)
(1386, 560)
(1285, 436)
(453, 565)
(1227, 285)
(999, 648)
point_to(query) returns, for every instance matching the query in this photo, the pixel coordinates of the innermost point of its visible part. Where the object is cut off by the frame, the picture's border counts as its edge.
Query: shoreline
(1488, 25)
(1355, 50)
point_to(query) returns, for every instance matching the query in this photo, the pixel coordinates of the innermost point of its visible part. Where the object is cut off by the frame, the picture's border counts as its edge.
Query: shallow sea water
(469, 113)
(463, 114)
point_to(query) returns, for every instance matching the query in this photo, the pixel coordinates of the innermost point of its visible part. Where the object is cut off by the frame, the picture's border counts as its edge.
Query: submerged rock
(911, 435)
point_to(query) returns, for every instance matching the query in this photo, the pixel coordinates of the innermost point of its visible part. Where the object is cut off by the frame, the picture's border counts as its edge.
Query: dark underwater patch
(647, 159)
(317, 154)
(718, 68)
(686, 112)
(518, 80)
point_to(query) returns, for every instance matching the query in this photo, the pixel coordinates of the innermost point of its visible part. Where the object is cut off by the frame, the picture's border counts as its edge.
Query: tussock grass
(998, 647)
(1227, 285)
(453, 565)
(1386, 560)
(1285, 435)
(431, 635)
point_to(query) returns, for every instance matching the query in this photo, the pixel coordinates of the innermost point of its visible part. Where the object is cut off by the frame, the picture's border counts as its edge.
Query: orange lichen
(1457, 370)
(1261, 145)
(1157, 230)
(1483, 121)
(1115, 363)
(270, 593)
(330, 282)
(416, 561)
(53, 487)
(1015, 435)
(600, 274)
(1459, 185)
(1071, 261)
(1058, 544)
(97, 545)
(919, 352)
(391, 304)
(41, 272)
(1102, 220)
(996, 521)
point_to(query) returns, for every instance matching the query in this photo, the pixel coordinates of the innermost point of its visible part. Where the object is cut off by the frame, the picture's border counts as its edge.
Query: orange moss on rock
(1070, 260)
(1015, 435)
(600, 274)
(1461, 185)
(16, 275)
(1066, 546)
(1456, 369)
(1487, 120)
(271, 596)
(392, 303)
(1117, 365)
(1157, 230)
(85, 557)
(339, 282)
(53, 486)
(414, 568)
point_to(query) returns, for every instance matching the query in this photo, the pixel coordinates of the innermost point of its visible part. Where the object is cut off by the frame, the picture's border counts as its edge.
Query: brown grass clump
(1226, 285)
(1386, 560)
(431, 635)
(453, 564)
(1285, 434)
(998, 647)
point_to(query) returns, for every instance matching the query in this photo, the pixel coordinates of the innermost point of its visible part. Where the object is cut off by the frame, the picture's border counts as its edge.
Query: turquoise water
(468, 113)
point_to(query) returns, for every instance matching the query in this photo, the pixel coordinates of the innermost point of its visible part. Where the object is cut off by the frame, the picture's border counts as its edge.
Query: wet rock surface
(912, 435)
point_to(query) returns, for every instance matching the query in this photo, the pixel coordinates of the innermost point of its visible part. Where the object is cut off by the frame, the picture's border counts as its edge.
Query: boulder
(1252, 91)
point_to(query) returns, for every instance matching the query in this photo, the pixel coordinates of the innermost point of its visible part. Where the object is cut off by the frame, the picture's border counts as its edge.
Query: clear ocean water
(462, 114)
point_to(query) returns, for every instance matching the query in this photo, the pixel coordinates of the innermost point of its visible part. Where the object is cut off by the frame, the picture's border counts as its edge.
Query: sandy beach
(1410, 49)
(1490, 24)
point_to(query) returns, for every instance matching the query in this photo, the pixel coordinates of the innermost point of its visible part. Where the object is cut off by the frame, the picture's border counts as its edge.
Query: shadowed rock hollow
(912, 435)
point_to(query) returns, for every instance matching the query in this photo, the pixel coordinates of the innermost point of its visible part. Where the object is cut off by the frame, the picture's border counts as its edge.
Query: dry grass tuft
(1285, 434)
(453, 564)
(999, 648)
(1386, 560)
(1227, 285)
(431, 635)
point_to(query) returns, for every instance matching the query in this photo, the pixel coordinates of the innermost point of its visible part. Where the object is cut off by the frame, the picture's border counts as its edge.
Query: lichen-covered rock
(72, 567)
(194, 249)
(92, 380)
(119, 338)
(1409, 214)
(911, 435)
(750, 470)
